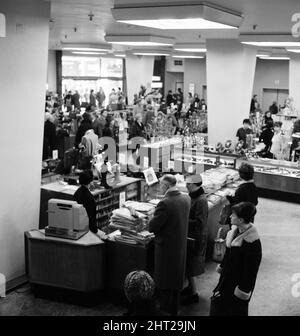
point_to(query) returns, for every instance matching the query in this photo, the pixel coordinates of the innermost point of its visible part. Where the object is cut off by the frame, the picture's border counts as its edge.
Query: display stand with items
(283, 176)
(107, 199)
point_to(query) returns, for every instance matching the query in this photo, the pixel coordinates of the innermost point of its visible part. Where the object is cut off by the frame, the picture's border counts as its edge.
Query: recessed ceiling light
(83, 49)
(2, 25)
(88, 53)
(294, 50)
(274, 57)
(120, 55)
(187, 56)
(151, 54)
(179, 24)
(141, 44)
(140, 40)
(191, 49)
(186, 15)
(273, 44)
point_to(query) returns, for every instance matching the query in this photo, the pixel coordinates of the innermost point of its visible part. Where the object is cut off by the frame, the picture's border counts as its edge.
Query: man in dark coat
(76, 100)
(170, 226)
(50, 139)
(197, 231)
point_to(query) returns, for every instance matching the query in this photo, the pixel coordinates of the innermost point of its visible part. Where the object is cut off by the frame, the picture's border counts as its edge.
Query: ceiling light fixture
(294, 50)
(271, 40)
(86, 47)
(187, 15)
(191, 49)
(274, 58)
(120, 55)
(2, 25)
(140, 40)
(145, 53)
(187, 56)
(88, 53)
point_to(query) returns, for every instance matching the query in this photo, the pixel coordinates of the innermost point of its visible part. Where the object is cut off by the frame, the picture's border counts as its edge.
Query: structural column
(230, 76)
(23, 75)
(294, 80)
(139, 71)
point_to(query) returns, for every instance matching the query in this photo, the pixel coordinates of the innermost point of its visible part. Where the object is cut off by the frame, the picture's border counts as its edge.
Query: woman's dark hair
(244, 210)
(86, 177)
(246, 171)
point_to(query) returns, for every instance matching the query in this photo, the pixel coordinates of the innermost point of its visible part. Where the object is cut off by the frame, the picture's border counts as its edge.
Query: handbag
(219, 247)
(217, 305)
(225, 214)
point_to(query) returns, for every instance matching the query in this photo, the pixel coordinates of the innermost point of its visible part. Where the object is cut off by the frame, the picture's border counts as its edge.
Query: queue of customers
(180, 225)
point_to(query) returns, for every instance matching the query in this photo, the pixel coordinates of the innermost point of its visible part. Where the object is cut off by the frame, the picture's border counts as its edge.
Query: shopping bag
(219, 247)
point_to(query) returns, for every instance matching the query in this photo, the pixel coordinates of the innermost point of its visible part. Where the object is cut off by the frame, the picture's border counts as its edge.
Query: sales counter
(77, 265)
(106, 199)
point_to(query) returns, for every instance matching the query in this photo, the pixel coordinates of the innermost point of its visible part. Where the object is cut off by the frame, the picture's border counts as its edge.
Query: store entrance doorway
(271, 95)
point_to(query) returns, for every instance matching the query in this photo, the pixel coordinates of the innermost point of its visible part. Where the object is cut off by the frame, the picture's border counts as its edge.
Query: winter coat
(170, 226)
(198, 230)
(239, 269)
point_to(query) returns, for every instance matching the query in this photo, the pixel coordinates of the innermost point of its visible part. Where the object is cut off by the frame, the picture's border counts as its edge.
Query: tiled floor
(279, 226)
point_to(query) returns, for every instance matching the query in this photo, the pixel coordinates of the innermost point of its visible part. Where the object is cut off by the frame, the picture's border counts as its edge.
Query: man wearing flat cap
(170, 226)
(198, 231)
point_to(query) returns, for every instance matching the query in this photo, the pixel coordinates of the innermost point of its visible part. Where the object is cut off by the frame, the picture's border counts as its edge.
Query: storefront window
(90, 73)
(80, 66)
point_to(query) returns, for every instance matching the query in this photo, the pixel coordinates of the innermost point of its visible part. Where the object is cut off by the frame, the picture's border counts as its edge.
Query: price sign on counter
(55, 154)
(146, 162)
(122, 198)
(171, 165)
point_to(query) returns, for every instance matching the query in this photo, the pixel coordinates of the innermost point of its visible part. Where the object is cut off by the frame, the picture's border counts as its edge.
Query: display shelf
(207, 160)
(106, 199)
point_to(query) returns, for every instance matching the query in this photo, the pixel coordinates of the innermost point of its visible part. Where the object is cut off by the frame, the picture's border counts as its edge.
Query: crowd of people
(278, 144)
(150, 116)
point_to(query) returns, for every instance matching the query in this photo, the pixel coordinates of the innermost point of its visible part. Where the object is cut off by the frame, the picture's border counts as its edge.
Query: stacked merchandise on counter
(131, 223)
(218, 183)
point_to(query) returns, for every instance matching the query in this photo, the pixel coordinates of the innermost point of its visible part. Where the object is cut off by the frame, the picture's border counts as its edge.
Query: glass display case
(205, 160)
(275, 174)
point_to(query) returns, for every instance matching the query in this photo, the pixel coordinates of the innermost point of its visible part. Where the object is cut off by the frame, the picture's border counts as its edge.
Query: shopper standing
(92, 99)
(273, 108)
(83, 196)
(100, 96)
(246, 191)
(198, 231)
(242, 132)
(76, 100)
(240, 265)
(170, 226)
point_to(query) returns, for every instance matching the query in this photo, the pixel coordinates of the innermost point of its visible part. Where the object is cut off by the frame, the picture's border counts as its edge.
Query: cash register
(67, 219)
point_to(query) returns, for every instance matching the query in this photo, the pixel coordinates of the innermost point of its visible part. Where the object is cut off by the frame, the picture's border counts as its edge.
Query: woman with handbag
(239, 268)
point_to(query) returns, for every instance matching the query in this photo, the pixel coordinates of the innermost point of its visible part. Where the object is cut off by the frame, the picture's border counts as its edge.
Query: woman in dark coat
(246, 191)
(198, 231)
(240, 265)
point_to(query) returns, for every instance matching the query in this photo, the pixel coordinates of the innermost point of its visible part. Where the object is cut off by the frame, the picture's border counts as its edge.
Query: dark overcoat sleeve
(159, 219)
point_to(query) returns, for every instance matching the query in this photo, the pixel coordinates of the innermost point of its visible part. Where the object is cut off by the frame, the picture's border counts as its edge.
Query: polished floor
(276, 292)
